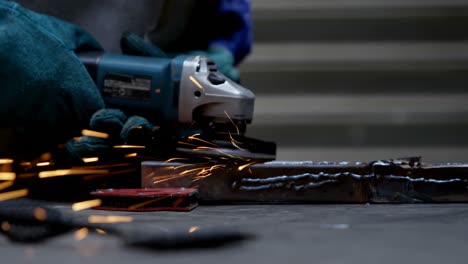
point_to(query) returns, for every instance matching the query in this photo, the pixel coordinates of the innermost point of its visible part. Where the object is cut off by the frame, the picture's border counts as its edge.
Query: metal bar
(390, 181)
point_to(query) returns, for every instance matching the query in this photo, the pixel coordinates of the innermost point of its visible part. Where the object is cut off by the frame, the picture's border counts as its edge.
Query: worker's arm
(235, 17)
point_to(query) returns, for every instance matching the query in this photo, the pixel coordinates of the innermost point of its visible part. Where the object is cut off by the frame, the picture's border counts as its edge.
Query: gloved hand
(46, 94)
(113, 122)
(133, 44)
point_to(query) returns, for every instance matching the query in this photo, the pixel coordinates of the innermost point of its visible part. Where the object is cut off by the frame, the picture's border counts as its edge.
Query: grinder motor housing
(183, 90)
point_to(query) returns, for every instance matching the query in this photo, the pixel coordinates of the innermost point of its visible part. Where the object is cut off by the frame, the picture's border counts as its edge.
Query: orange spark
(129, 147)
(43, 164)
(109, 219)
(187, 144)
(5, 226)
(205, 173)
(194, 229)
(5, 185)
(196, 82)
(181, 166)
(6, 161)
(7, 176)
(86, 205)
(89, 160)
(13, 195)
(59, 173)
(168, 178)
(100, 231)
(81, 234)
(96, 134)
(40, 214)
(232, 121)
(201, 140)
(190, 171)
(220, 151)
(174, 159)
(235, 142)
(131, 155)
(246, 165)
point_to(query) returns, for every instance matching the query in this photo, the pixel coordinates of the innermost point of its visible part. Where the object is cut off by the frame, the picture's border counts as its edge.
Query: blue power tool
(187, 94)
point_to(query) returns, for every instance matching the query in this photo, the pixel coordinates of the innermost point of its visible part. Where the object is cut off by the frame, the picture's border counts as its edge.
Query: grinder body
(186, 96)
(180, 90)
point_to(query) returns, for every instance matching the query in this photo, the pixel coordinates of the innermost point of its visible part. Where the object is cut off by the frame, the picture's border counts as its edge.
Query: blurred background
(361, 79)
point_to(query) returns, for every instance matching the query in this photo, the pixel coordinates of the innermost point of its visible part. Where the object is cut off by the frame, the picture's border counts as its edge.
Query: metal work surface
(284, 233)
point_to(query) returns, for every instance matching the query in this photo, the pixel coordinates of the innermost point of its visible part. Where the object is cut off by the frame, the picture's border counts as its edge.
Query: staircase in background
(361, 79)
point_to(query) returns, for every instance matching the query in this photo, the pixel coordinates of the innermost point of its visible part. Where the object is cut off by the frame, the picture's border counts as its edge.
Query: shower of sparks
(43, 164)
(5, 185)
(86, 205)
(6, 161)
(168, 178)
(13, 195)
(196, 82)
(232, 121)
(95, 134)
(5, 226)
(60, 173)
(40, 214)
(109, 219)
(242, 167)
(143, 204)
(194, 229)
(131, 155)
(7, 176)
(185, 172)
(81, 234)
(219, 151)
(129, 147)
(89, 160)
(182, 166)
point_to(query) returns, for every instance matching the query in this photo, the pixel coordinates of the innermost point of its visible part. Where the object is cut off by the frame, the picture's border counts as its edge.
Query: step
(435, 67)
(359, 20)
(360, 109)
(362, 121)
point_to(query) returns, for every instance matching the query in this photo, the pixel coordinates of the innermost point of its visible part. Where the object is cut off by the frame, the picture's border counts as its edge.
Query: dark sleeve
(235, 18)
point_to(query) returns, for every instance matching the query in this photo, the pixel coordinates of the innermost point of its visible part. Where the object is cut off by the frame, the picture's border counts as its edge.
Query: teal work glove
(133, 44)
(118, 127)
(46, 94)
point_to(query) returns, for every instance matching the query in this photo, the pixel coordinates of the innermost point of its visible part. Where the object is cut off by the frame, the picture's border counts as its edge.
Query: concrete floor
(284, 234)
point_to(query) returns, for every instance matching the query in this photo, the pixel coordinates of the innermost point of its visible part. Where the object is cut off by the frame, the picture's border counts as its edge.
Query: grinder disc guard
(226, 145)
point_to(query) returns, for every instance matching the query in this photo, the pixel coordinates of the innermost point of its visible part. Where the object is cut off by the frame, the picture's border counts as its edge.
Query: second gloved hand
(133, 44)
